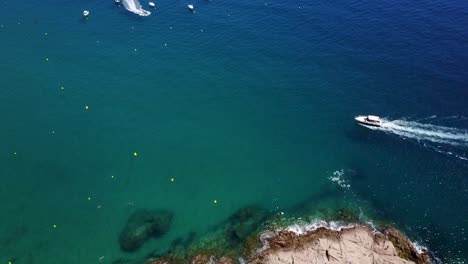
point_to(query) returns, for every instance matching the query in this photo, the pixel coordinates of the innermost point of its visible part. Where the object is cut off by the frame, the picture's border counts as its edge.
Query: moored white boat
(190, 7)
(85, 13)
(369, 120)
(152, 4)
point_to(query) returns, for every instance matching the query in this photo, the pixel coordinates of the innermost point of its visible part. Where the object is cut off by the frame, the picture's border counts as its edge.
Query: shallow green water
(246, 104)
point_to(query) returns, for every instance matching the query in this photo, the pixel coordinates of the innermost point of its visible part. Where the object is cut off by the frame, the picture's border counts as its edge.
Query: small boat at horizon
(369, 120)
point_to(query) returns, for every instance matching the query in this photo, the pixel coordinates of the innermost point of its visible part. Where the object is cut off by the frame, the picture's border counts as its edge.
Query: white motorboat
(152, 4)
(190, 7)
(369, 120)
(117, 2)
(86, 13)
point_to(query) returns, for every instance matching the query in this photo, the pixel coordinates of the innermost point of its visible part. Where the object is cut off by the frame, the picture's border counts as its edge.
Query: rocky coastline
(356, 244)
(350, 244)
(308, 233)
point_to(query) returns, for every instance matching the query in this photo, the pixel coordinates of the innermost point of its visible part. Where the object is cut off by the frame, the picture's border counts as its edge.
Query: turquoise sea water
(240, 102)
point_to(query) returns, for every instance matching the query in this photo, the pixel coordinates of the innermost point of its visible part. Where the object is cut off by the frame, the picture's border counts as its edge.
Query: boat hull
(363, 121)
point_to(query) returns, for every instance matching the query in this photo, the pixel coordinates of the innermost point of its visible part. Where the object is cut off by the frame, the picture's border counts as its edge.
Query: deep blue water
(241, 102)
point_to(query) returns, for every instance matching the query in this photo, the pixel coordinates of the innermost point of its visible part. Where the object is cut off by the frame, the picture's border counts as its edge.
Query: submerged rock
(197, 259)
(223, 244)
(143, 225)
(243, 223)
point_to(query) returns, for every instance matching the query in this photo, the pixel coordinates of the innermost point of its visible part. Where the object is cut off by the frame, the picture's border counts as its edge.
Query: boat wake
(427, 132)
(443, 139)
(135, 7)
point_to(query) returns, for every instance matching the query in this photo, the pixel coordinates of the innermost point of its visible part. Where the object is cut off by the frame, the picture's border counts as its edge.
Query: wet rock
(201, 259)
(143, 225)
(157, 261)
(206, 259)
(225, 260)
(404, 247)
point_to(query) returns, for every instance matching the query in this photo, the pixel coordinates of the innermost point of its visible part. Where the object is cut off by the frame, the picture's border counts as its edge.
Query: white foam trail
(426, 132)
(135, 7)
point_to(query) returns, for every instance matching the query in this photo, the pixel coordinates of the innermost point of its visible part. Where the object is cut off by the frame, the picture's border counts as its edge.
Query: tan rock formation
(354, 245)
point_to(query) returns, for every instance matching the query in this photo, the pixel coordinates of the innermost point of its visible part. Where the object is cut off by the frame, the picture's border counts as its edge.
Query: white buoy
(190, 7)
(86, 13)
(152, 4)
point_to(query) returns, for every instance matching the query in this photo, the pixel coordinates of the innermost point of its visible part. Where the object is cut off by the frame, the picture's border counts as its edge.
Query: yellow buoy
(55, 226)
(45, 34)
(135, 154)
(89, 198)
(215, 201)
(112, 176)
(47, 59)
(172, 179)
(86, 107)
(62, 88)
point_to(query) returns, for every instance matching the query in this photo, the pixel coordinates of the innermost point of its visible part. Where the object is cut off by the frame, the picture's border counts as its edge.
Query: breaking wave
(304, 228)
(301, 229)
(135, 7)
